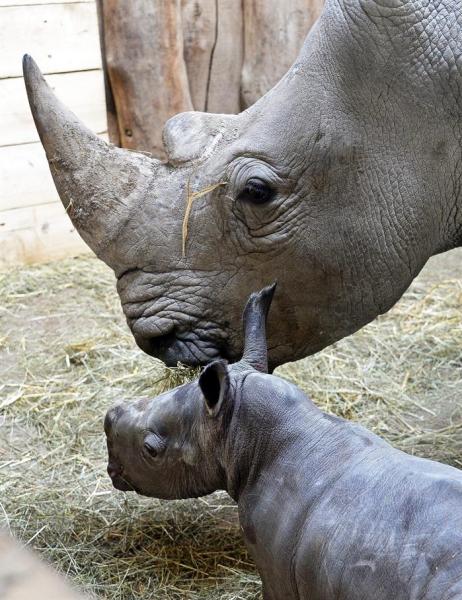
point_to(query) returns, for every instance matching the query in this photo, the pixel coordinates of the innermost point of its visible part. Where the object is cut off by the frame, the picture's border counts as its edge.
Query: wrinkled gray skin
(361, 143)
(328, 510)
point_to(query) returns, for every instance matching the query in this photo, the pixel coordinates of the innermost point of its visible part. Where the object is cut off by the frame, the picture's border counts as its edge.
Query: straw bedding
(66, 355)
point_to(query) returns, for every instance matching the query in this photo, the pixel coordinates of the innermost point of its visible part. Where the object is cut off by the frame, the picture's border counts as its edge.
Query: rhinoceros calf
(328, 509)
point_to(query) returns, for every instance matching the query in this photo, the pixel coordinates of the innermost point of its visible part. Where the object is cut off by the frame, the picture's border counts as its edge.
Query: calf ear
(254, 318)
(214, 384)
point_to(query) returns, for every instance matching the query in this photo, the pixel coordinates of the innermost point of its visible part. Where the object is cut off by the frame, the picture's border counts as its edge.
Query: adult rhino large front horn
(340, 183)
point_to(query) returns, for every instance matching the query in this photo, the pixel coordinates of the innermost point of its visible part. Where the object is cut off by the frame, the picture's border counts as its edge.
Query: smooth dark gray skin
(328, 510)
(361, 141)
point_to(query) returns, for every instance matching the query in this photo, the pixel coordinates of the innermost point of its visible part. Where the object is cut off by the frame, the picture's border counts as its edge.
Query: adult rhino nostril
(156, 345)
(169, 348)
(187, 347)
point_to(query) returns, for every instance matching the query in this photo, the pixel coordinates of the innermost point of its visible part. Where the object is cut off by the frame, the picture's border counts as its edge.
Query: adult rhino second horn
(96, 182)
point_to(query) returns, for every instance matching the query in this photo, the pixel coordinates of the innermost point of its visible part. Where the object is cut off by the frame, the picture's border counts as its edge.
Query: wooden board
(146, 70)
(25, 179)
(60, 37)
(111, 115)
(213, 51)
(163, 58)
(31, 2)
(199, 19)
(82, 92)
(223, 93)
(37, 234)
(274, 32)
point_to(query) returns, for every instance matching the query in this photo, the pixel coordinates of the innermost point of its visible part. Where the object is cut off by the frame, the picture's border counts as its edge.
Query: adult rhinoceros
(339, 183)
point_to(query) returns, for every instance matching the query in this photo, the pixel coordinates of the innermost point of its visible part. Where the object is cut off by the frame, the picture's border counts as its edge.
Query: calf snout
(115, 468)
(116, 472)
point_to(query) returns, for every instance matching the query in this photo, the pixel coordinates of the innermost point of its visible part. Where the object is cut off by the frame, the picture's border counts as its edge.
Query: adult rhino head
(339, 183)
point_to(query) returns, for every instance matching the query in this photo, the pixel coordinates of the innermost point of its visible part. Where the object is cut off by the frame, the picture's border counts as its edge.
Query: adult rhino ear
(214, 384)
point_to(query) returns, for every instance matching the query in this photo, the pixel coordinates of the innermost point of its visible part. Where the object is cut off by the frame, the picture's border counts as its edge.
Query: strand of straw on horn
(190, 197)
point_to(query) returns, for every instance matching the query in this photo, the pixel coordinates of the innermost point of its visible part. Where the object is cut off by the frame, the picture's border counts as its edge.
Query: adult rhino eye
(256, 191)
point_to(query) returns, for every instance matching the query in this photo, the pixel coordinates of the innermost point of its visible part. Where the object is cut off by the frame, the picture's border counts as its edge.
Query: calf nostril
(114, 470)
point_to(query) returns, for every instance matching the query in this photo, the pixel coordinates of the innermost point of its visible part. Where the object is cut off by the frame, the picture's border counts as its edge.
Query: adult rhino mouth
(187, 348)
(170, 317)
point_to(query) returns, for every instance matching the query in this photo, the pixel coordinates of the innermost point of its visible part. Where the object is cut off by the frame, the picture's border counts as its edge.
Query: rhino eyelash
(150, 450)
(256, 191)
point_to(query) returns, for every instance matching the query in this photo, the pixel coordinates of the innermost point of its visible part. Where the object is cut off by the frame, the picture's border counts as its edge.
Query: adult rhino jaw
(97, 182)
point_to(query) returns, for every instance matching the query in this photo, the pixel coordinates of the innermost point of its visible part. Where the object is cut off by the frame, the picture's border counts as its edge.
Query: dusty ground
(66, 355)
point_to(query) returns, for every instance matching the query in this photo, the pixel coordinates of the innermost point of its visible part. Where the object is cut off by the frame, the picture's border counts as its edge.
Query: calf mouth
(120, 482)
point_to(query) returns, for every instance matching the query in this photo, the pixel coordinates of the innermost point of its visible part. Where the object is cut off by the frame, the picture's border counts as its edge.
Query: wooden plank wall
(208, 55)
(62, 36)
(182, 54)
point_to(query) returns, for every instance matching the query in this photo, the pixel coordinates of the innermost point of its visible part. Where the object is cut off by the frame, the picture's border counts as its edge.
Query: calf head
(173, 446)
(340, 183)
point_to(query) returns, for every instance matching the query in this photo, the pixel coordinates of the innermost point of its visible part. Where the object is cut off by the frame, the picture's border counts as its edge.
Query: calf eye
(256, 191)
(150, 449)
(153, 444)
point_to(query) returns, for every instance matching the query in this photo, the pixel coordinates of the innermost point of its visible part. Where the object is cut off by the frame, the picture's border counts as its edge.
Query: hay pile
(66, 355)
